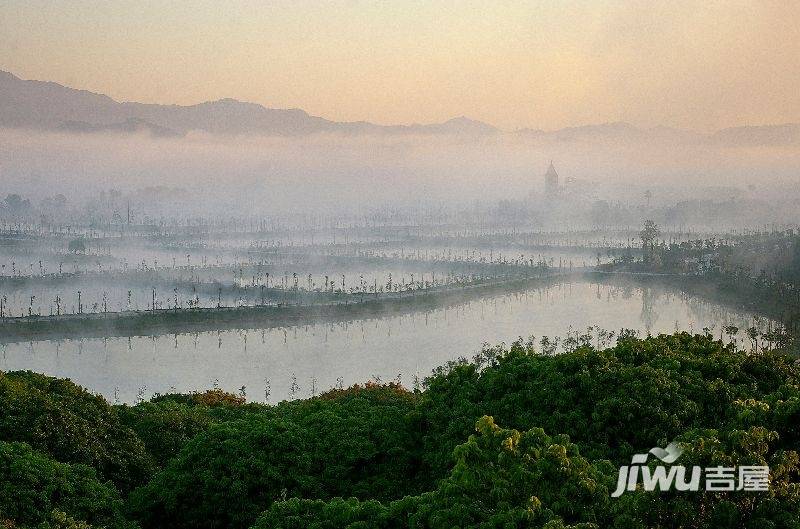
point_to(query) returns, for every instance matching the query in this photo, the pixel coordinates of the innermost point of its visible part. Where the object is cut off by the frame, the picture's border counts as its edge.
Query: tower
(551, 181)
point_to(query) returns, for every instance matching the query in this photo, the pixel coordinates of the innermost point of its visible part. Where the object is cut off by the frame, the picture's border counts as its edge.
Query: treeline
(759, 271)
(513, 438)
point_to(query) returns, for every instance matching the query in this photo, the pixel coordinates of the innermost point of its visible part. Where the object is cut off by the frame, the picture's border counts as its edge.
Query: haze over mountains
(50, 106)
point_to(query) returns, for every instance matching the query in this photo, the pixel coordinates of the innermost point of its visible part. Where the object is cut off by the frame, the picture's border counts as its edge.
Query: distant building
(551, 181)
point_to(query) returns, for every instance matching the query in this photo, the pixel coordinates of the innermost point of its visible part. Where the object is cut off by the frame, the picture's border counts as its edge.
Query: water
(316, 355)
(199, 286)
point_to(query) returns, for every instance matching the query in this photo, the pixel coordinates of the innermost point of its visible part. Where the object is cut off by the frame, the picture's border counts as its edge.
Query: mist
(351, 174)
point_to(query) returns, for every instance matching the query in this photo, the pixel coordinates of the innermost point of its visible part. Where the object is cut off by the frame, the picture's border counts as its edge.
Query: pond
(298, 361)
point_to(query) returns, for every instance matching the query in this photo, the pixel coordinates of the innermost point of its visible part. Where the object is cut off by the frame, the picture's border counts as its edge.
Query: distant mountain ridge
(44, 105)
(51, 106)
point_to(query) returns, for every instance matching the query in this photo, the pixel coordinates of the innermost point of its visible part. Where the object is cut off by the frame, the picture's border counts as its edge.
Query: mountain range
(42, 105)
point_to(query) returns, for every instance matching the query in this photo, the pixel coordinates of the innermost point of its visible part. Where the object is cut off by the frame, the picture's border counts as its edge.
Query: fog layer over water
(334, 173)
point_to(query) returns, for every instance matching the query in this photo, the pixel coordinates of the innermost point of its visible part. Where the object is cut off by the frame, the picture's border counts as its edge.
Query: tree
(650, 232)
(501, 478)
(16, 205)
(33, 485)
(353, 442)
(69, 424)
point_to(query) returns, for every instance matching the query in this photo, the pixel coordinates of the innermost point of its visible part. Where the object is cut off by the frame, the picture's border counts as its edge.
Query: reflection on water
(318, 355)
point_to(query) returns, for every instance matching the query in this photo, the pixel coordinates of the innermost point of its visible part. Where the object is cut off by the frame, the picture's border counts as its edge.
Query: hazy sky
(541, 64)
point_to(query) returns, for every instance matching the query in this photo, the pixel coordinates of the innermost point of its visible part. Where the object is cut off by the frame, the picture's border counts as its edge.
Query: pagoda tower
(551, 181)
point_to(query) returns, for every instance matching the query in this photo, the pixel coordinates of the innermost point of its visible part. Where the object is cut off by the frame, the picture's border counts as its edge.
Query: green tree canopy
(64, 421)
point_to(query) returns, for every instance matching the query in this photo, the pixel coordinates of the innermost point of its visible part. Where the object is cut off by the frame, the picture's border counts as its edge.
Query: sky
(700, 65)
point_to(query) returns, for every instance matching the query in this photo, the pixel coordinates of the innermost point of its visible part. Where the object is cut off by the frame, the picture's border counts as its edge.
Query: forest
(514, 437)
